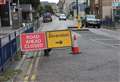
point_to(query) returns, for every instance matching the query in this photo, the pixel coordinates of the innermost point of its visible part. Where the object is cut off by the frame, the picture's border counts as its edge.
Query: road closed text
(33, 41)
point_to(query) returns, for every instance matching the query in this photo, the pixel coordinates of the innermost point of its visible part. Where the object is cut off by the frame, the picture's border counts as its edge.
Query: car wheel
(43, 21)
(51, 20)
(98, 26)
(86, 25)
(94, 26)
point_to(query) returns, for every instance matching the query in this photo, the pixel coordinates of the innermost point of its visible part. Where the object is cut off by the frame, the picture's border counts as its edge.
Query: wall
(107, 11)
(0, 21)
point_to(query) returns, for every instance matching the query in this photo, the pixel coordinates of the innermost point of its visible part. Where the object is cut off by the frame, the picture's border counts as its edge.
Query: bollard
(75, 47)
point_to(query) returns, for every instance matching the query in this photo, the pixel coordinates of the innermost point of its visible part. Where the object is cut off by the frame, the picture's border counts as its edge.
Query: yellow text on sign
(58, 39)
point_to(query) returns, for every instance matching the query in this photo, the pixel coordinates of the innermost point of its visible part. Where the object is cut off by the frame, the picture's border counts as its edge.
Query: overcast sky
(55, 1)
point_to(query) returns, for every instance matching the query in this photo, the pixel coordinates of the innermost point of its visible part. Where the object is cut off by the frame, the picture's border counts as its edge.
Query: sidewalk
(26, 63)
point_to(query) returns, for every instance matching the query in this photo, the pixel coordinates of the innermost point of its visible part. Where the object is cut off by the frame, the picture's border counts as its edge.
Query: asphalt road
(56, 25)
(98, 61)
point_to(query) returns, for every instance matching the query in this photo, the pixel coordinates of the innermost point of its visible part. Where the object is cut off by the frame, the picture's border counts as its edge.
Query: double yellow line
(31, 73)
(32, 78)
(29, 76)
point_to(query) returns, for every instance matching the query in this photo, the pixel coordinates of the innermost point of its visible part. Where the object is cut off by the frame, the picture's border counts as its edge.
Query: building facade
(68, 4)
(101, 8)
(5, 14)
(61, 5)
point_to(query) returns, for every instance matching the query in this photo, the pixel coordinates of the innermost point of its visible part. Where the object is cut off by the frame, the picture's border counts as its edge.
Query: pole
(77, 8)
(86, 2)
(18, 4)
(10, 14)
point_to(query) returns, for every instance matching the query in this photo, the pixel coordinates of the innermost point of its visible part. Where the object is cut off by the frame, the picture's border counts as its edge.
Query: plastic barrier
(10, 44)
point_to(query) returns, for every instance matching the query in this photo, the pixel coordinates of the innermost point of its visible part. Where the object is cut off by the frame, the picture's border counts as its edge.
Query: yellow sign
(58, 39)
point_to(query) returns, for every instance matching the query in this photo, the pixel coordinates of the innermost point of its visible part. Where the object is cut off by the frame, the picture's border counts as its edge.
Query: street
(56, 25)
(59, 41)
(97, 62)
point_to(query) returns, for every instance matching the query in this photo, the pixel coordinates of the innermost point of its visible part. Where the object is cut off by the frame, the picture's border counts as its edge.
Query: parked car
(91, 20)
(62, 17)
(47, 17)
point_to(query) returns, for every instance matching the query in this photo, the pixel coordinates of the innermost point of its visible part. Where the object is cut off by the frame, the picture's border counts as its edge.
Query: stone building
(66, 5)
(101, 8)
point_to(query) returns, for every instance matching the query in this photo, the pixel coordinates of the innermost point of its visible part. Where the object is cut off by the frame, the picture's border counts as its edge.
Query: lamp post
(77, 8)
(18, 4)
(10, 14)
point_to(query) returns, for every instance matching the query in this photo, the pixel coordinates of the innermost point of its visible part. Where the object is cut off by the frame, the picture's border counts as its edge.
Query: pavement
(26, 65)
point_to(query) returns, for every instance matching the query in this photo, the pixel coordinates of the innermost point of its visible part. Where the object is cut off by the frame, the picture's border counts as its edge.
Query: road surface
(98, 61)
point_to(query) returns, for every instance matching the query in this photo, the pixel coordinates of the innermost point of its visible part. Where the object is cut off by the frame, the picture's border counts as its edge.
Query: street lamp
(77, 8)
(18, 4)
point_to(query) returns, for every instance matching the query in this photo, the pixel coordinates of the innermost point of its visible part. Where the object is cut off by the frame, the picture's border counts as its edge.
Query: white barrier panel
(4, 40)
(28, 26)
(25, 28)
(21, 30)
(12, 36)
(18, 32)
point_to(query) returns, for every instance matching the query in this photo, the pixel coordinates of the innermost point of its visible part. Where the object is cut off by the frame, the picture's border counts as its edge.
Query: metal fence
(10, 44)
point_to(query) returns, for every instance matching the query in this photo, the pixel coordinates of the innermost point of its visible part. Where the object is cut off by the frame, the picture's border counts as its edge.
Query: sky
(55, 1)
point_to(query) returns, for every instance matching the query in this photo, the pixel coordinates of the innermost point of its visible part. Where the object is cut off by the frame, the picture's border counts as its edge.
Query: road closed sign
(33, 41)
(59, 39)
(2, 2)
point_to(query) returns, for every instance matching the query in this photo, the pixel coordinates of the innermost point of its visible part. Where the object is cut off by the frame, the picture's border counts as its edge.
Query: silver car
(62, 17)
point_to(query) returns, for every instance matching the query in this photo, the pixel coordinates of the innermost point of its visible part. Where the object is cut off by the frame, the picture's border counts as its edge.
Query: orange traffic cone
(75, 47)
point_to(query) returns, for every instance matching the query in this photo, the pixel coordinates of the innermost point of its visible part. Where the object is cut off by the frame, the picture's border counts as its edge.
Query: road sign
(33, 41)
(2, 2)
(114, 4)
(58, 39)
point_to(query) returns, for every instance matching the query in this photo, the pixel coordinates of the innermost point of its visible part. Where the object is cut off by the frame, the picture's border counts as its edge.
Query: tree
(34, 3)
(48, 8)
(40, 9)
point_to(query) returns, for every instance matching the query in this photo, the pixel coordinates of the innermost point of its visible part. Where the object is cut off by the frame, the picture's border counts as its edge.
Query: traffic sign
(58, 39)
(115, 4)
(2, 2)
(33, 41)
